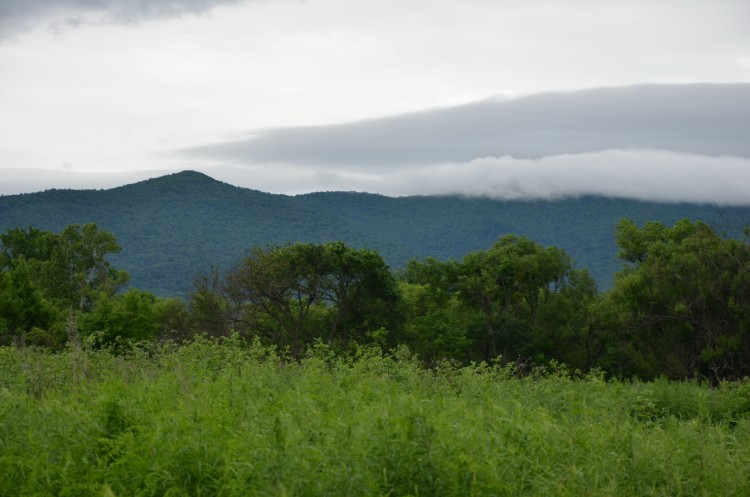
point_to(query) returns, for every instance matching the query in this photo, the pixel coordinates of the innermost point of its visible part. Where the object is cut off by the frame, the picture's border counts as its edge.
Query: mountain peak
(188, 176)
(176, 182)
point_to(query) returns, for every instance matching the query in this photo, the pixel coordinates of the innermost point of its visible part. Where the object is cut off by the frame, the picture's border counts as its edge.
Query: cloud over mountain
(649, 142)
(701, 119)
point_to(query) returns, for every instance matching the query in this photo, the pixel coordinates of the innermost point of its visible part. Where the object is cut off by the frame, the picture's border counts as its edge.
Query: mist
(647, 175)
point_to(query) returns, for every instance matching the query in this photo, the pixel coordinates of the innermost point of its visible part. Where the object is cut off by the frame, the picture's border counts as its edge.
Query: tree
(518, 300)
(23, 310)
(273, 290)
(133, 316)
(290, 294)
(209, 307)
(20, 244)
(685, 298)
(70, 267)
(438, 324)
(359, 288)
(45, 278)
(507, 284)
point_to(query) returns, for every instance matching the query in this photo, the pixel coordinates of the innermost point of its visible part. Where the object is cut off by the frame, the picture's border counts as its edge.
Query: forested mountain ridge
(175, 226)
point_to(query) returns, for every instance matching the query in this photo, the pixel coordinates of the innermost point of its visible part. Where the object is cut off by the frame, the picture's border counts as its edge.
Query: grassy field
(211, 419)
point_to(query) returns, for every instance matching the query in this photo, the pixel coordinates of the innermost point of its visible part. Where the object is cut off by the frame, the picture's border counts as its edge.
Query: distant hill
(175, 226)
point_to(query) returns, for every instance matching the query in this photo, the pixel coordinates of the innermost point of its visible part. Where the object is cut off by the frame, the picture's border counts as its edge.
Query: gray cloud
(703, 119)
(19, 15)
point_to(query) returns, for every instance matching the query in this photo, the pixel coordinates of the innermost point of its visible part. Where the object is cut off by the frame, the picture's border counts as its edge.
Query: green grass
(224, 419)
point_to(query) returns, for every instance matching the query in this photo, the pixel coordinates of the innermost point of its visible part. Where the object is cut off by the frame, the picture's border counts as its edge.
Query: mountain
(176, 226)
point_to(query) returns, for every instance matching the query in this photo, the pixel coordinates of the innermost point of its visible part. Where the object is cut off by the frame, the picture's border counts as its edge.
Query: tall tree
(507, 284)
(48, 277)
(685, 293)
(70, 267)
(360, 288)
(288, 294)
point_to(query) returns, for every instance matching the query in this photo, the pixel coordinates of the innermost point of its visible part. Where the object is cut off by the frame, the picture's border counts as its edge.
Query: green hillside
(175, 226)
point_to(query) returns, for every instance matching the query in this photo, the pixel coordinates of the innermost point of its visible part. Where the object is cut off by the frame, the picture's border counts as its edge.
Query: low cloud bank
(636, 174)
(650, 175)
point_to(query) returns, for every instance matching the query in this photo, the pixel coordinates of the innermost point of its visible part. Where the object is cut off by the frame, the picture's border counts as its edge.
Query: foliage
(70, 267)
(679, 307)
(222, 419)
(292, 294)
(685, 299)
(517, 300)
(56, 287)
(134, 316)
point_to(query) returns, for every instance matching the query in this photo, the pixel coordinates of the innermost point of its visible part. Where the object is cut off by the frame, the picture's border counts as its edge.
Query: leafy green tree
(25, 315)
(70, 267)
(517, 299)
(31, 244)
(209, 308)
(360, 290)
(685, 298)
(134, 316)
(46, 278)
(79, 266)
(508, 283)
(292, 294)
(273, 290)
(437, 325)
(563, 328)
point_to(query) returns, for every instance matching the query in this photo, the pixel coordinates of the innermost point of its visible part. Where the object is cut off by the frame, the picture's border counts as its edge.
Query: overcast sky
(509, 98)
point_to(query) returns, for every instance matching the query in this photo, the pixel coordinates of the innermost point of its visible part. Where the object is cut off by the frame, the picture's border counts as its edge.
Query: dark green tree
(26, 316)
(272, 291)
(685, 298)
(292, 294)
(71, 267)
(507, 284)
(47, 278)
(133, 316)
(359, 289)
(438, 324)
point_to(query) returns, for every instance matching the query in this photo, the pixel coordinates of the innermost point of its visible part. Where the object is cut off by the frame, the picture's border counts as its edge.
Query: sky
(646, 99)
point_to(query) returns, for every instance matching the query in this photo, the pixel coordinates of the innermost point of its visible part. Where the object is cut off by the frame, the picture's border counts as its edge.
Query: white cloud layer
(636, 174)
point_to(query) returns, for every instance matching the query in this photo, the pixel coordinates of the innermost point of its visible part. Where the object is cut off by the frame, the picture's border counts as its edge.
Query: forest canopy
(679, 307)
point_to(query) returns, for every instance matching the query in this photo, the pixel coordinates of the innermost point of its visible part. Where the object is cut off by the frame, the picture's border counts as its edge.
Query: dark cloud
(702, 119)
(19, 15)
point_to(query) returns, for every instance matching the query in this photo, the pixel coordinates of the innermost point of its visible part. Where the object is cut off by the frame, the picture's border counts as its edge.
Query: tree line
(679, 308)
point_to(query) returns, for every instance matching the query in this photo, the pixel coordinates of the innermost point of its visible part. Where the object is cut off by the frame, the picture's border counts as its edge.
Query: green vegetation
(678, 309)
(171, 228)
(224, 418)
(313, 369)
(292, 295)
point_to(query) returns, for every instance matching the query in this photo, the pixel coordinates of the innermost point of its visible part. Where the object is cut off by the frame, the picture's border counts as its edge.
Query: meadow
(224, 418)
